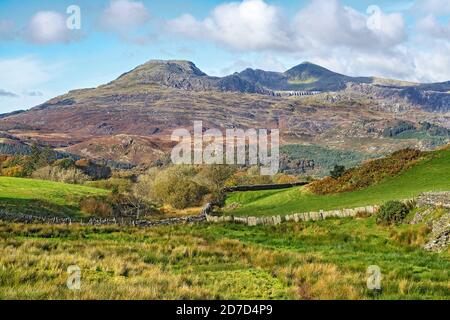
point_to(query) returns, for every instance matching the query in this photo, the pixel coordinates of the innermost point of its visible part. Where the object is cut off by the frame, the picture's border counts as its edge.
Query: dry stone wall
(297, 217)
(435, 199)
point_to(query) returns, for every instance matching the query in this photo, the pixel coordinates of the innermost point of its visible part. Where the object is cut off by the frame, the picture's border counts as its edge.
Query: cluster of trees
(189, 186)
(42, 163)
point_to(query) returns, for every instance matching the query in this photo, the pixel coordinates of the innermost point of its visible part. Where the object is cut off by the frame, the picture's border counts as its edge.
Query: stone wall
(435, 199)
(264, 187)
(28, 219)
(298, 217)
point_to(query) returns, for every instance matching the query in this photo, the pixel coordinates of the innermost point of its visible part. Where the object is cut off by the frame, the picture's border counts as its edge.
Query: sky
(49, 47)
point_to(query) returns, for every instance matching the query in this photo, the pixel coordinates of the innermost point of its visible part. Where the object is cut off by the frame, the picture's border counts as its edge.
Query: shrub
(65, 163)
(96, 206)
(392, 212)
(175, 186)
(117, 185)
(58, 174)
(337, 172)
(128, 205)
(15, 171)
(283, 178)
(95, 171)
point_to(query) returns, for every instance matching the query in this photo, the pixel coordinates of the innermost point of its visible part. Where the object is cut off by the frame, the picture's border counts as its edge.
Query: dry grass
(207, 262)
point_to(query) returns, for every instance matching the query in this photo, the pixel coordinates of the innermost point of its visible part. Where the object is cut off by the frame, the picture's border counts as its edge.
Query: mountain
(182, 75)
(304, 77)
(131, 118)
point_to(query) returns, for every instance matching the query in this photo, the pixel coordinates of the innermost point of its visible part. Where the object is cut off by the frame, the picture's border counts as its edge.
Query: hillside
(43, 198)
(315, 260)
(308, 103)
(430, 174)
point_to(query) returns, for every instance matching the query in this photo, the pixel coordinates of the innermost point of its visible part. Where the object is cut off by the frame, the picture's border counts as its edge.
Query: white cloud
(371, 43)
(27, 75)
(247, 25)
(48, 27)
(23, 72)
(326, 23)
(433, 65)
(437, 7)
(432, 28)
(256, 25)
(123, 15)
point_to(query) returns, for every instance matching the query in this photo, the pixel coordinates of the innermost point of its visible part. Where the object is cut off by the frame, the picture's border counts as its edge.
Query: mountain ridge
(308, 103)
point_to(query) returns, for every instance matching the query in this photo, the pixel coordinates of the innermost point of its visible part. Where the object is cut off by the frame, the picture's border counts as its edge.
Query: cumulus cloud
(23, 72)
(48, 27)
(26, 75)
(430, 27)
(437, 7)
(327, 23)
(124, 15)
(256, 25)
(247, 25)
(327, 32)
(433, 65)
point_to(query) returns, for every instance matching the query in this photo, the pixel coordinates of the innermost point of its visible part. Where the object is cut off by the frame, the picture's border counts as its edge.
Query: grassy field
(431, 174)
(39, 197)
(313, 260)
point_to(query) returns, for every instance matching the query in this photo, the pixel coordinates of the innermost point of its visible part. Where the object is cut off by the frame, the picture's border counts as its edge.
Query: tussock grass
(314, 260)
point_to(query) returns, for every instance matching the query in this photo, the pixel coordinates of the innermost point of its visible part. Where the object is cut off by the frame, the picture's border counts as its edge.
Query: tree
(337, 172)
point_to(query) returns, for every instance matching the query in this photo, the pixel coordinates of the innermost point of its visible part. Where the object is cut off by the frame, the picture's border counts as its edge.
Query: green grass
(312, 260)
(431, 174)
(37, 197)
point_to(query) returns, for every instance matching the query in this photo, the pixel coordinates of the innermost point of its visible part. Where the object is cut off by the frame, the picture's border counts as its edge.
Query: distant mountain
(182, 75)
(131, 118)
(305, 76)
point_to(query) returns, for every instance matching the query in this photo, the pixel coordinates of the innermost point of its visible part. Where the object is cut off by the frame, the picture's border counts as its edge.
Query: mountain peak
(308, 69)
(169, 72)
(175, 66)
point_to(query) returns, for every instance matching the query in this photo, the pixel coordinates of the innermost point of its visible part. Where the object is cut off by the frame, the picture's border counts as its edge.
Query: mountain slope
(149, 102)
(431, 174)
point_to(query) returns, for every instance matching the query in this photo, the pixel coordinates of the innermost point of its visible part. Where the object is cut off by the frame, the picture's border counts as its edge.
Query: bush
(337, 172)
(65, 163)
(96, 206)
(95, 171)
(283, 178)
(175, 186)
(58, 174)
(117, 185)
(392, 212)
(15, 171)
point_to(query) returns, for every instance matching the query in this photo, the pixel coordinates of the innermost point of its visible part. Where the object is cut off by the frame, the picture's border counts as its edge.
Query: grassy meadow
(38, 197)
(312, 260)
(430, 174)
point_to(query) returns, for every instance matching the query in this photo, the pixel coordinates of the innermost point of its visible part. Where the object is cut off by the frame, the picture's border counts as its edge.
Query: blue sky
(41, 58)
